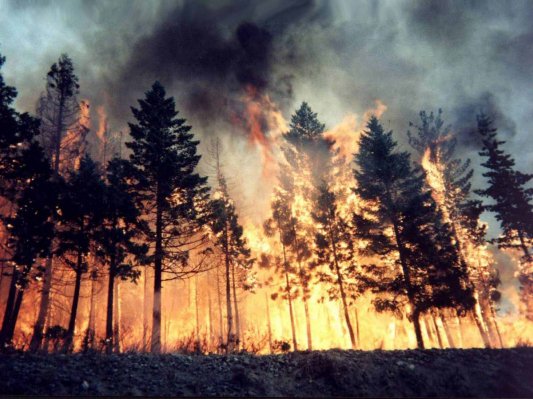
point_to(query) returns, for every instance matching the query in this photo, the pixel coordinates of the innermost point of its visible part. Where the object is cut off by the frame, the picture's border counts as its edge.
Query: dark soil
(449, 373)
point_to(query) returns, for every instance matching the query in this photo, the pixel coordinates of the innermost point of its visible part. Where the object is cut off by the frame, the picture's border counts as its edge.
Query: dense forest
(126, 245)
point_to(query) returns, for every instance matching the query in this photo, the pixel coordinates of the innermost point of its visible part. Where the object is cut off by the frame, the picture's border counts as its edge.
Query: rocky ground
(449, 373)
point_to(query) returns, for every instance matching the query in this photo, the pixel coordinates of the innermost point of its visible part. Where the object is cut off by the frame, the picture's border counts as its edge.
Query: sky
(339, 56)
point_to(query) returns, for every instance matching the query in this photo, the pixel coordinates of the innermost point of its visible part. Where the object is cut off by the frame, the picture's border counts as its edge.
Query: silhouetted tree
(30, 232)
(63, 139)
(512, 205)
(23, 172)
(401, 224)
(164, 160)
(119, 235)
(450, 181)
(81, 207)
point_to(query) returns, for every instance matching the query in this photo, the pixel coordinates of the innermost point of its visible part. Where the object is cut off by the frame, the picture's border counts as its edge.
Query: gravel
(449, 373)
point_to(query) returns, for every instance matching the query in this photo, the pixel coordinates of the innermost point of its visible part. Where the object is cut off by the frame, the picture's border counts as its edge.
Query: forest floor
(449, 373)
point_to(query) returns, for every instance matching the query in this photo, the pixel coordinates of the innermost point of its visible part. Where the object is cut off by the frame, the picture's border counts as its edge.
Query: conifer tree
(282, 224)
(59, 113)
(334, 248)
(402, 225)
(119, 236)
(23, 174)
(306, 151)
(164, 158)
(450, 181)
(228, 237)
(30, 232)
(512, 205)
(81, 214)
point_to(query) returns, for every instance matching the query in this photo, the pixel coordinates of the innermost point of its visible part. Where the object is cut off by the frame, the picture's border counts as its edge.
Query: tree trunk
(117, 326)
(37, 336)
(38, 328)
(210, 316)
(289, 297)
(496, 326)
(236, 307)
(479, 324)
(220, 323)
(231, 339)
(437, 331)
(197, 314)
(158, 267)
(14, 316)
(307, 323)
(428, 329)
(74, 310)
(110, 301)
(461, 332)
(145, 311)
(269, 325)
(447, 331)
(341, 289)
(90, 333)
(305, 289)
(357, 326)
(8, 313)
(415, 313)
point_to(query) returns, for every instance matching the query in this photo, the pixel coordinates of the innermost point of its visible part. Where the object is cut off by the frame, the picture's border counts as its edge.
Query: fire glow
(193, 311)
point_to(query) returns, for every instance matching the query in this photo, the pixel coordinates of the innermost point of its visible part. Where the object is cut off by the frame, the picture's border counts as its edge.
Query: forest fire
(288, 299)
(213, 210)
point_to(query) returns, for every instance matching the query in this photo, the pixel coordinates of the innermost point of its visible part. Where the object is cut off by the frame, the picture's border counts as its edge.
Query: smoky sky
(340, 56)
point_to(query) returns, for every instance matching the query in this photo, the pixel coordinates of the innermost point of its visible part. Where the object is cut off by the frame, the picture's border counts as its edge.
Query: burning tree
(228, 238)
(450, 182)
(283, 225)
(306, 151)
(405, 230)
(335, 249)
(63, 138)
(173, 195)
(512, 204)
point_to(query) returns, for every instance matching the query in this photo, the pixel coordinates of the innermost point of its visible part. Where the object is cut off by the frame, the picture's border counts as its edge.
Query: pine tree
(512, 204)
(18, 130)
(119, 235)
(450, 181)
(282, 224)
(30, 232)
(23, 172)
(334, 248)
(306, 151)
(81, 215)
(164, 160)
(228, 237)
(402, 225)
(59, 113)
